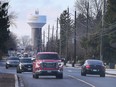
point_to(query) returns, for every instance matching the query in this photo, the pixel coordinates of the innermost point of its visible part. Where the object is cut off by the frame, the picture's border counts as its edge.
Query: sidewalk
(7, 80)
(111, 71)
(108, 71)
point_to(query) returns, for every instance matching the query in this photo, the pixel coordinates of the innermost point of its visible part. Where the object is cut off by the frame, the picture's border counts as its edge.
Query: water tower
(36, 22)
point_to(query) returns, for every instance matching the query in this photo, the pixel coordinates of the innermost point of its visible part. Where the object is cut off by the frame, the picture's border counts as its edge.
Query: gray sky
(51, 8)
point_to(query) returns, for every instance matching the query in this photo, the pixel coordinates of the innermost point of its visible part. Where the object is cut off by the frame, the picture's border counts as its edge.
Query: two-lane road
(72, 78)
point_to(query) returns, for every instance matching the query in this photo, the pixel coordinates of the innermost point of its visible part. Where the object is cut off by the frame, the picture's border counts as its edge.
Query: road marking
(69, 70)
(16, 81)
(81, 81)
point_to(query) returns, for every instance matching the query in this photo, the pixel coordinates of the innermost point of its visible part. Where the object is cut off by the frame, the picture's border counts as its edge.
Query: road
(72, 78)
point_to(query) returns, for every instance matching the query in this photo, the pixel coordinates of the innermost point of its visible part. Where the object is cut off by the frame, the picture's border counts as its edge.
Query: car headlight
(39, 64)
(8, 62)
(60, 64)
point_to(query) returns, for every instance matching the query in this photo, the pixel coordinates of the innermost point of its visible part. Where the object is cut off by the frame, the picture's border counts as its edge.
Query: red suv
(47, 63)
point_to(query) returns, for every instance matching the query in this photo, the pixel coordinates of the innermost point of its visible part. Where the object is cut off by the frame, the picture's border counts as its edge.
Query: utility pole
(73, 64)
(60, 49)
(57, 29)
(57, 35)
(67, 26)
(48, 37)
(52, 44)
(87, 28)
(43, 46)
(101, 34)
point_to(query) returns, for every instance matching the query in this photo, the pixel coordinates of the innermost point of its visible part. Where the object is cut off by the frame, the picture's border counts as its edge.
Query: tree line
(88, 29)
(7, 38)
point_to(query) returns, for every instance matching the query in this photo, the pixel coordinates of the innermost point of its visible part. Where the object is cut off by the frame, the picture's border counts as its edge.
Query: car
(25, 65)
(47, 64)
(12, 62)
(92, 66)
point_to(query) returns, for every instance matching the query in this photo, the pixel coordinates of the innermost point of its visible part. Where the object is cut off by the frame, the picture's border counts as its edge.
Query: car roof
(13, 57)
(94, 60)
(47, 53)
(26, 58)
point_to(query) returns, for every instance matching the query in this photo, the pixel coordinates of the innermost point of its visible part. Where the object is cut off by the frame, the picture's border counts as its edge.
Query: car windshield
(93, 62)
(25, 60)
(48, 56)
(13, 58)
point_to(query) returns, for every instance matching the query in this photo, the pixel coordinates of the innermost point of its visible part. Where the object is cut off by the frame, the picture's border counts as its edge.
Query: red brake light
(87, 66)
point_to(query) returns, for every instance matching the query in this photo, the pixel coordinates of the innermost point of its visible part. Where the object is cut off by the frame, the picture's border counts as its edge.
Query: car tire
(7, 67)
(102, 75)
(83, 73)
(18, 70)
(35, 76)
(59, 76)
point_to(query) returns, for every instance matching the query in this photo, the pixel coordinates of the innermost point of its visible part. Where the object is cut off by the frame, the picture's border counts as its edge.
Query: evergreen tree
(4, 25)
(110, 35)
(111, 12)
(65, 30)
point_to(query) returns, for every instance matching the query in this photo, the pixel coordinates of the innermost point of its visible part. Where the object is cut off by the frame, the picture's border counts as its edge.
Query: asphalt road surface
(71, 78)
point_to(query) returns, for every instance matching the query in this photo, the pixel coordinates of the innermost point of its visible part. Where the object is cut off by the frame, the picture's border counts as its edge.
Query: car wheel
(6, 66)
(83, 73)
(102, 75)
(18, 70)
(59, 76)
(35, 76)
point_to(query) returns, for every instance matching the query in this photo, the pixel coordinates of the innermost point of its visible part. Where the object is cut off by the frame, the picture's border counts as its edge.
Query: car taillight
(87, 66)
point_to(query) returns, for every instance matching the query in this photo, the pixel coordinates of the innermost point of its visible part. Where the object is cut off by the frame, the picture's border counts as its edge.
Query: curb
(16, 81)
(110, 74)
(20, 80)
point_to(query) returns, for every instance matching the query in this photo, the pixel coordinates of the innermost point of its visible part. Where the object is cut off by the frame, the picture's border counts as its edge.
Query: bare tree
(94, 7)
(24, 41)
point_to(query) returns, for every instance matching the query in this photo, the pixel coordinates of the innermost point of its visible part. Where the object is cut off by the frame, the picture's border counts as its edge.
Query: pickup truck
(47, 63)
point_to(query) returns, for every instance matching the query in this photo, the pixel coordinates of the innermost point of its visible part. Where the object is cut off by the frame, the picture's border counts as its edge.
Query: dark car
(12, 62)
(25, 65)
(95, 67)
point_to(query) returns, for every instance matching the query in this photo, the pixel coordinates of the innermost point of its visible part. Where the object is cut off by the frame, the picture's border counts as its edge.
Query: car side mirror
(33, 59)
(62, 59)
(104, 64)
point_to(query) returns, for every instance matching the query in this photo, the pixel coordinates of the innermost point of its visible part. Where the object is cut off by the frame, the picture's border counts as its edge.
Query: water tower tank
(36, 22)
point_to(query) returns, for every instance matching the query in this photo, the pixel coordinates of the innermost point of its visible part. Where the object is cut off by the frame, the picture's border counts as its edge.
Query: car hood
(49, 60)
(12, 60)
(26, 63)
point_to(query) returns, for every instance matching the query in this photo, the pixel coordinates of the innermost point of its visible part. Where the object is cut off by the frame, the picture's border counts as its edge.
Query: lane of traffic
(51, 81)
(72, 77)
(96, 80)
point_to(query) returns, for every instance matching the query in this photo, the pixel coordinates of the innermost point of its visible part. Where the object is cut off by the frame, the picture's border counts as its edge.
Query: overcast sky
(51, 8)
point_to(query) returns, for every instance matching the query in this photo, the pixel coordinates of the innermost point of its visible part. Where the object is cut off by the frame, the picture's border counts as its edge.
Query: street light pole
(74, 41)
(101, 34)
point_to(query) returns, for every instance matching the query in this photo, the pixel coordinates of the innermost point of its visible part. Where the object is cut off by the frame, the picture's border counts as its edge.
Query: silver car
(12, 62)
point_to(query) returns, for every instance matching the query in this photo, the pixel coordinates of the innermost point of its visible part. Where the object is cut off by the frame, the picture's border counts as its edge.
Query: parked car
(12, 62)
(25, 65)
(47, 63)
(92, 66)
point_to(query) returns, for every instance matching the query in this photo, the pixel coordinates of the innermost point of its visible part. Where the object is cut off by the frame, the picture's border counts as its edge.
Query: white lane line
(70, 71)
(16, 81)
(81, 81)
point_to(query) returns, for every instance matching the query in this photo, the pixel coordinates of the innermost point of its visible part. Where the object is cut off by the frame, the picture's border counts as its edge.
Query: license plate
(49, 71)
(94, 70)
(29, 68)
